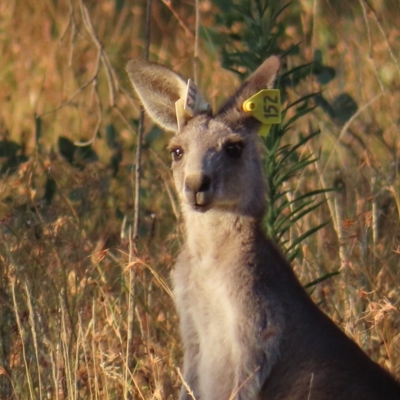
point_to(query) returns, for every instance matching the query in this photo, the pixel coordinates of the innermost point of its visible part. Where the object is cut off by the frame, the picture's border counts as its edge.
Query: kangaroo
(249, 329)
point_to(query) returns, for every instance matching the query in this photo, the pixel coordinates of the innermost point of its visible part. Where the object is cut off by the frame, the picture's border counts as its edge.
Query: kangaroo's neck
(217, 231)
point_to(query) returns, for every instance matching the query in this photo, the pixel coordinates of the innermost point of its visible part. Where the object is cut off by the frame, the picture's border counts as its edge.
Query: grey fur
(249, 329)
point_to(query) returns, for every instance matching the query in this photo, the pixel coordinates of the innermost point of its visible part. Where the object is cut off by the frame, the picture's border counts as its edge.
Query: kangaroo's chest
(209, 293)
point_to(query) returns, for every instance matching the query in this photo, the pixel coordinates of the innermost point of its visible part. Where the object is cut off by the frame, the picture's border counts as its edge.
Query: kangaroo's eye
(177, 153)
(234, 150)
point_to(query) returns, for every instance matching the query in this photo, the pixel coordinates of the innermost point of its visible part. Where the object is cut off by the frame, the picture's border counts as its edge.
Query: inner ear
(159, 88)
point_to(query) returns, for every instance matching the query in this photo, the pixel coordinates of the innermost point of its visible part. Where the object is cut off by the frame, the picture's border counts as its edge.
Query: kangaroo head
(215, 159)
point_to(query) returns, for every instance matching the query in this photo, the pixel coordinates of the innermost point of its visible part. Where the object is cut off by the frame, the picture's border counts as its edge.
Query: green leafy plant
(261, 29)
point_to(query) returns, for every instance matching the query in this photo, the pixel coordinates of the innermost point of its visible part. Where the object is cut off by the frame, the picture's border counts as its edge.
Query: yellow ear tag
(266, 107)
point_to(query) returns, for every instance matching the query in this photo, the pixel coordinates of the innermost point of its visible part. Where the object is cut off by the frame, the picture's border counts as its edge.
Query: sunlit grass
(65, 254)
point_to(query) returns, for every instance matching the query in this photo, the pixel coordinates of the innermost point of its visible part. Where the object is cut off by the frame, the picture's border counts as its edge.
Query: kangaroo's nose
(198, 189)
(197, 183)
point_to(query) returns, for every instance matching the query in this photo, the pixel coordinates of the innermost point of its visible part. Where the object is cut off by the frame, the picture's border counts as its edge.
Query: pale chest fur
(209, 294)
(212, 283)
(223, 320)
(203, 292)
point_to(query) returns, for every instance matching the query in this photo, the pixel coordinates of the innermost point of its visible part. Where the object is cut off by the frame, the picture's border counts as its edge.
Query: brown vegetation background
(86, 312)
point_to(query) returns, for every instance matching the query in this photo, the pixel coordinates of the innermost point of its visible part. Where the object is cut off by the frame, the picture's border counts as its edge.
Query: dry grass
(66, 260)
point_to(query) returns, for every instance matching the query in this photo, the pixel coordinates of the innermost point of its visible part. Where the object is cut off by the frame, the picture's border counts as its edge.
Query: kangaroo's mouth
(200, 201)
(197, 205)
(201, 207)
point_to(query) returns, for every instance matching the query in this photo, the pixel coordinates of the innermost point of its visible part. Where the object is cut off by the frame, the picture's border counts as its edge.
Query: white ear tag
(194, 103)
(190, 105)
(181, 115)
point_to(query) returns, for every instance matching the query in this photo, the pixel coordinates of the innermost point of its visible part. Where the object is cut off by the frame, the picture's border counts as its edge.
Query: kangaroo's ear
(159, 89)
(262, 78)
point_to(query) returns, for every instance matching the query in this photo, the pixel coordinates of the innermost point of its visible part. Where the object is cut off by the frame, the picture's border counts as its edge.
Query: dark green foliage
(66, 148)
(153, 134)
(119, 5)
(325, 106)
(323, 73)
(50, 189)
(111, 136)
(11, 153)
(344, 106)
(321, 279)
(76, 154)
(115, 145)
(341, 110)
(115, 160)
(245, 51)
(8, 148)
(259, 36)
(12, 164)
(86, 153)
(38, 131)
(78, 194)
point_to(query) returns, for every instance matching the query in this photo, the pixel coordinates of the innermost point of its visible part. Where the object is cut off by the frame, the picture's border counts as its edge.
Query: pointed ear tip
(274, 60)
(135, 64)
